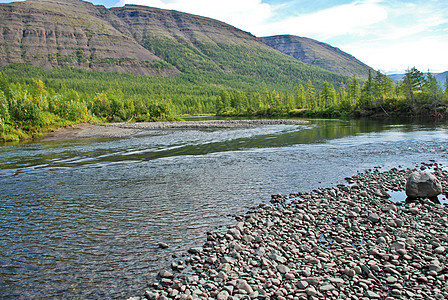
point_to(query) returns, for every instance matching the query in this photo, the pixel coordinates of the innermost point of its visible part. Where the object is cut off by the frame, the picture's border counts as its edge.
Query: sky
(388, 35)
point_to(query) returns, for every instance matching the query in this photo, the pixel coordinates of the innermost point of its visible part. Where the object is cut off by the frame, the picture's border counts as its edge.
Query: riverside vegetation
(34, 101)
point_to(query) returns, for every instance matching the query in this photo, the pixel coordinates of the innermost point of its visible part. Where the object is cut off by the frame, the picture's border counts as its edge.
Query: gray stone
(306, 272)
(422, 184)
(302, 284)
(380, 240)
(165, 274)
(439, 250)
(311, 291)
(374, 217)
(283, 269)
(337, 281)
(372, 295)
(391, 279)
(195, 250)
(397, 245)
(163, 245)
(242, 284)
(327, 288)
(223, 295)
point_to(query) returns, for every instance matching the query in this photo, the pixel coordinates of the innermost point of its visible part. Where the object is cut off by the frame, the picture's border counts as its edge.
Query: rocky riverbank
(345, 242)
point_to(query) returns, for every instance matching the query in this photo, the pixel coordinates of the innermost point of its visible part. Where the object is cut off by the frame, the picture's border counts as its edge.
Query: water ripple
(82, 219)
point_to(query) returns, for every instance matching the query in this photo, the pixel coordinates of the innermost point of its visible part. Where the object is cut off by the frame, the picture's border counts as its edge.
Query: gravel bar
(344, 242)
(206, 124)
(124, 129)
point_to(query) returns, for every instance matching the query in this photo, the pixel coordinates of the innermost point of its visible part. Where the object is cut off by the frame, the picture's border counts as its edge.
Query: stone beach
(344, 242)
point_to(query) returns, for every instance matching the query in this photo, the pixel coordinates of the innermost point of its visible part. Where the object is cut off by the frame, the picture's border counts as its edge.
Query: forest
(34, 101)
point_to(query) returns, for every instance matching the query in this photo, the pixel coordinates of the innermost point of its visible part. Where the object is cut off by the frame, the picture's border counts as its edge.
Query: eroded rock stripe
(344, 242)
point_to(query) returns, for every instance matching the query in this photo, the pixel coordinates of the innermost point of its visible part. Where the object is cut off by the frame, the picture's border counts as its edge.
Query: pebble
(223, 295)
(374, 217)
(163, 245)
(372, 295)
(311, 291)
(327, 288)
(302, 284)
(283, 269)
(391, 279)
(439, 250)
(243, 285)
(345, 242)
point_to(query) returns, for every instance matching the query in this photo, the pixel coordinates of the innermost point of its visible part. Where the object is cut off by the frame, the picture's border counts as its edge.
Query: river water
(83, 218)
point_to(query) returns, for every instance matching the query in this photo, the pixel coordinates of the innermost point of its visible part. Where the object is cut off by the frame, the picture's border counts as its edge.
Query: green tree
(310, 96)
(222, 102)
(101, 106)
(413, 83)
(4, 112)
(4, 108)
(327, 96)
(383, 88)
(342, 99)
(366, 99)
(354, 91)
(4, 84)
(299, 96)
(446, 89)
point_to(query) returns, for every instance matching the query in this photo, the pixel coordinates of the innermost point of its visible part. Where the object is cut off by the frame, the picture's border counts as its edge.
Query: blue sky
(388, 35)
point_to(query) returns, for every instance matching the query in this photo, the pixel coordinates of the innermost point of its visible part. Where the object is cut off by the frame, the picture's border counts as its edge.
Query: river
(83, 218)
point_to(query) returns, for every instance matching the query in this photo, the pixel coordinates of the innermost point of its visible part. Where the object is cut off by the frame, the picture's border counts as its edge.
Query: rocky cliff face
(53, 33)
(145, 22)
(319, 54)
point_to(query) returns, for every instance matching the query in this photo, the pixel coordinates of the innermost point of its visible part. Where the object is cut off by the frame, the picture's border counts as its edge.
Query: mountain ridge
(319, 54)
(141, 40)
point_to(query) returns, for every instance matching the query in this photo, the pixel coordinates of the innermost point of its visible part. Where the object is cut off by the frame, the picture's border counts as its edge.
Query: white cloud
(412, 36)
(324, 24)
(424, 54)
(243, 14)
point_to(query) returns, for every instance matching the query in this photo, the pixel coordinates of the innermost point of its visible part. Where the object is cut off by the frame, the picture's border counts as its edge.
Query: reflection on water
(401, 198)
(83, 218)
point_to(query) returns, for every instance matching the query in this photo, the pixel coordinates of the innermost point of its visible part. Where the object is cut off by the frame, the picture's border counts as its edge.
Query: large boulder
(422, 185)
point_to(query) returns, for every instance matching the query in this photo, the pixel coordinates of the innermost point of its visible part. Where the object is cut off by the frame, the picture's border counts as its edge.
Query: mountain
(54, 33)
(440, 77)
(143, 40)
(319, 54)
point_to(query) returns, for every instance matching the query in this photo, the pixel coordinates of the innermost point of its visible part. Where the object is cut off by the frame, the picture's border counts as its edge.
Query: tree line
(379, 95)
(33, 101)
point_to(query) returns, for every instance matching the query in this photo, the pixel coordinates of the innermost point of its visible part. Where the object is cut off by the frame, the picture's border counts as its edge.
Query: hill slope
(215, 50)
(143, 40)
(319, 54)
